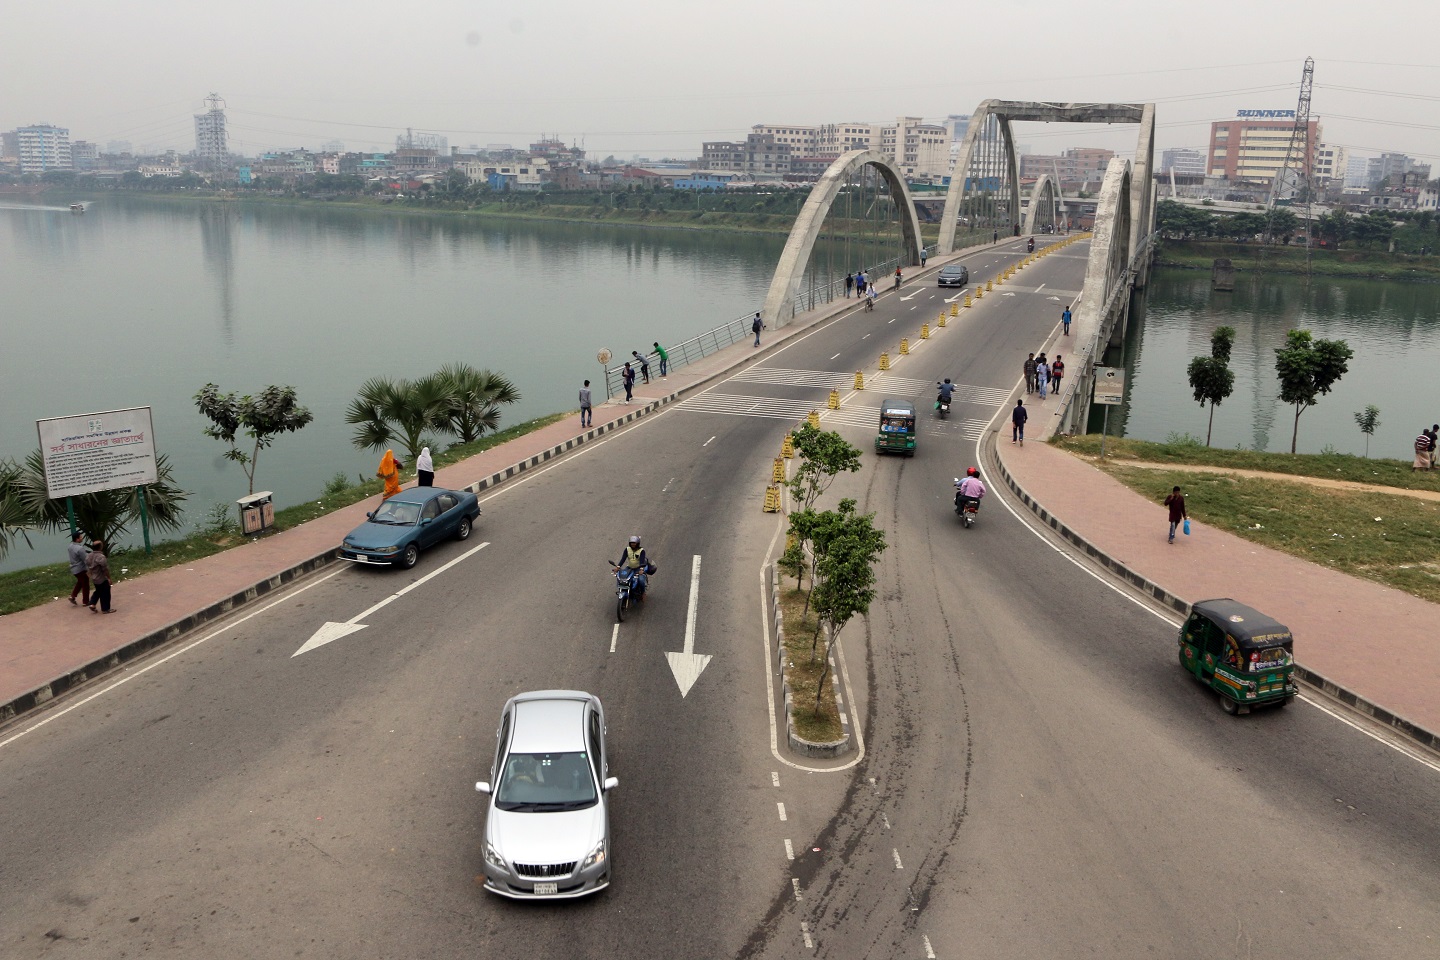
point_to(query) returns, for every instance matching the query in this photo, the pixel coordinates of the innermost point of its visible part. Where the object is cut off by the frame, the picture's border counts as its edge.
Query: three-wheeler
(1247, 658)
(897, 428)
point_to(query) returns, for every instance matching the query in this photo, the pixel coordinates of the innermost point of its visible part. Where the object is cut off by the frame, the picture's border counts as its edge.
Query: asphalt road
(1039, 777)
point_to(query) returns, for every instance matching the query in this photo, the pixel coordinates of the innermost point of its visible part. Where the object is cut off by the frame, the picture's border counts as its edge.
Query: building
(705, 180)
(1076, 165)
(1394, 170)
(43, 147)
(212, 147)
(921, 150)
(1330, 164)
(84, 155)
(770, 151)
(1183, 161)
(1254, 144)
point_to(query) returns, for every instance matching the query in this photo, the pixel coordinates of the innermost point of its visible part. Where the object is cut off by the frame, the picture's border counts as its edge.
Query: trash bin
(257, 512)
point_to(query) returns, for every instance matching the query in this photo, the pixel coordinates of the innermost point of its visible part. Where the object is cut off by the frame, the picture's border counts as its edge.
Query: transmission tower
(1297, 169)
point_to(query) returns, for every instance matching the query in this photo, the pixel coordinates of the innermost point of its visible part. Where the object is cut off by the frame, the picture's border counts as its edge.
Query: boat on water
(77, 208)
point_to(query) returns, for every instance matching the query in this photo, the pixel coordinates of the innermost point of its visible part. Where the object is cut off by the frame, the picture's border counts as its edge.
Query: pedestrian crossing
(964, 392)
(735, 405)
(867, 418)
(822, 379)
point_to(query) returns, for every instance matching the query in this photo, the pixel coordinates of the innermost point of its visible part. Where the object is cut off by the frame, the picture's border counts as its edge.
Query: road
(1039, 777)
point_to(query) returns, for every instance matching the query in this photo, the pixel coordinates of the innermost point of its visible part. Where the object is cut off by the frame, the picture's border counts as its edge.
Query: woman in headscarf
(390, 472)
(425, 468)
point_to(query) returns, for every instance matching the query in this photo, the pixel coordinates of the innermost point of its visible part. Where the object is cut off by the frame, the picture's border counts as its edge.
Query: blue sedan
(409, 522)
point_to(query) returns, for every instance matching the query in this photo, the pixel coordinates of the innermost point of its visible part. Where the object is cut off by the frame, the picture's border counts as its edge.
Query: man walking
(77, 552)
(627, 377)
(1057, 370)
(1065, 320)
(756, 326)
(1176, 504)
(897, 278)
(1029, 369)
(664, 358)
(849, 284)
(860, 283)
(1018, 416)
(995, 237)
(586, 415)
(644, 365)
(923, 257)
(97, 566)
(1042, 376)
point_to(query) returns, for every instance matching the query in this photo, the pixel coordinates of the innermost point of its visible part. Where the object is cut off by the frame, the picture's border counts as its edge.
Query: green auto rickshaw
(897, 428)
(1247, 658)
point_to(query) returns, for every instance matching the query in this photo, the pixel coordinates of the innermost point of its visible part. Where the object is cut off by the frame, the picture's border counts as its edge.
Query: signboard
(97, 451)
(1266, 114)
(1110, 385)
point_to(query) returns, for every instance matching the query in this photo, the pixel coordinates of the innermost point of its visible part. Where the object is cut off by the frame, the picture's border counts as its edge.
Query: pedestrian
(1065, 320)
(664, 358)
(425, 469)
(77, 552)
(897, 278)
(849, 284)
(97, 568)
(587, 416)
(860, 281)
(1424, 451)
(644, 365)
(1042, 376)
(756, 326)
(1018, 416)
(1176, 503)
(1029, 368)
(627, 377)
(923, 256)
(1434, 438)
(390, 472)
(1057, 372)
(995, 237)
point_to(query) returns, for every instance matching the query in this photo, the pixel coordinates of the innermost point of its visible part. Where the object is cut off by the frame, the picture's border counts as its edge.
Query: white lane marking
(666, 488)
(1304, 698)
(836, 355)
(688, 665)
(805, 932)
(929, 950)
(866, 337)
(614, 637)
(789, 849)
(774, 778)
(898, 864)
(795, 885)
(707, 442)
(185, 649)
(1039, 288)
(892, 320)
(885, 820)
(781, 808)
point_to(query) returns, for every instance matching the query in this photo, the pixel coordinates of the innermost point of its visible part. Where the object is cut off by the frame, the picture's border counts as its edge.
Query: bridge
(985, 194)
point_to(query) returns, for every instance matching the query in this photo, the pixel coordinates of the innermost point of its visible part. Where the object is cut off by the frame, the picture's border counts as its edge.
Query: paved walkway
(1347, 485)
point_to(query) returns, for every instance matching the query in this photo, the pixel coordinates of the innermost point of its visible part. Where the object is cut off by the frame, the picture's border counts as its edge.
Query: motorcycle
(629, 588)
(942, 406)
(1030, 245)
(967, 507)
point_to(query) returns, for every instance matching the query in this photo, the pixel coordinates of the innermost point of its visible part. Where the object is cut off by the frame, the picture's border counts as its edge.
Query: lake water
(143, 301)
(1394, 329)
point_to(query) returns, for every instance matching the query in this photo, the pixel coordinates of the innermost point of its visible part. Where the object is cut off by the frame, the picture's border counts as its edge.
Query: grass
(22, 589)
(1391, 539)
(822, 726)
(1360, 264)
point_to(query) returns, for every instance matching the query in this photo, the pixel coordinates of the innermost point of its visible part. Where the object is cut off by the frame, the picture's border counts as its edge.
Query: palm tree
(475, 399)
(105, 515)
(15, 520)
(390, 413)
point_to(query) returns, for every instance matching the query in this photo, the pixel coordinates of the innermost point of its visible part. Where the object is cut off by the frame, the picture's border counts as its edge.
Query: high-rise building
(1183, 160)
(211, 146)
(1330, 163)
(43, 148)
(1254, 144)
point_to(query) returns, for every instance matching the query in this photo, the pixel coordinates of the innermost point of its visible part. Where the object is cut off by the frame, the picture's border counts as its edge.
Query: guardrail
(711, 341)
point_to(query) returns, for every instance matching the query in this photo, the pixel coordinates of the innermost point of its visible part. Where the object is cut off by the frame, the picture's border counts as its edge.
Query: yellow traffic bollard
(834, 403)
(980, 292)
(925, 329)
(772, 499)
(967, 300)
(955, 307)
(989, 285)
(859, 380)
(884, 361)
(779, 474)
(787, 447)
(904, 346)
(942, 316)
(814, 419)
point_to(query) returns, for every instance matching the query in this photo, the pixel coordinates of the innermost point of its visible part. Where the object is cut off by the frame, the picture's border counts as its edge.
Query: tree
(388, 413)
(106, 515)
(15, 520)
(1368, 420)
(1282, 224)
(1335, 227)
(823, 455)
(262, 418)
(1307, 369)
(847, 584)
(475, 399)
(1374, 229)
(1211, 377)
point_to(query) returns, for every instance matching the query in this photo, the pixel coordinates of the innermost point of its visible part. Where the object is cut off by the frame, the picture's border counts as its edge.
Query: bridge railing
(711, 341)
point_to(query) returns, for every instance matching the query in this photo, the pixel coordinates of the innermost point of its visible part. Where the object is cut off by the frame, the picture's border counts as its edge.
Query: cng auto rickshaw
(897, 428)
(1247, 658)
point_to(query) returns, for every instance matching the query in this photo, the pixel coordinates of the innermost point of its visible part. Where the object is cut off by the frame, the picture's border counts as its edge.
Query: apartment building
(43, 147)
(1254, 144)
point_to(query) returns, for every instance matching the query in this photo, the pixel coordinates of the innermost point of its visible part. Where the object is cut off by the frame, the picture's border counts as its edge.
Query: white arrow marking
(687, 665)
(1007, 294)
(956, 297)
(1056, 299)
(911, 297)
(334, 631)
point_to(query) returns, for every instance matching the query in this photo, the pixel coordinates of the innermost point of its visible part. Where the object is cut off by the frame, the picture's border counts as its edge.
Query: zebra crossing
(866, 418)
(821, 379)
(779, 408)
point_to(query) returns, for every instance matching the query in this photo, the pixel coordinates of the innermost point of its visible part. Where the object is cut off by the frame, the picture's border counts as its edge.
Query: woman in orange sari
(390, 470)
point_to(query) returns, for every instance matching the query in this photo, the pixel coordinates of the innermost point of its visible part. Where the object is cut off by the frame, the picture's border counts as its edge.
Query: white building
(211, 145)
(1183, 160)
(43, 147)
(1330, 163)
(919, 149)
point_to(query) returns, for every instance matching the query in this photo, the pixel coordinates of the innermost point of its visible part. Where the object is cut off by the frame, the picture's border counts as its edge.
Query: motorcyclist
(947, 392)
(1029, 244)
(634, 559)
(971, 488)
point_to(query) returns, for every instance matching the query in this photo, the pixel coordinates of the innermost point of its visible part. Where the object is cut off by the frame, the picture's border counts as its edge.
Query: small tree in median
(847, 584)
(262, 418)
(1211, 377)
(1308, 369)
(1368, 420)
(823, 455)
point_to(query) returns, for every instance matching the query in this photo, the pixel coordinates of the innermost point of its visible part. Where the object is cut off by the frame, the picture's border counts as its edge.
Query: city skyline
(653, 86)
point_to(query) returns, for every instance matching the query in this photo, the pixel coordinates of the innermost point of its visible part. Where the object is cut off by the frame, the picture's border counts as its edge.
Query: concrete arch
(1044, 196)
(785, 285)
(960, 174)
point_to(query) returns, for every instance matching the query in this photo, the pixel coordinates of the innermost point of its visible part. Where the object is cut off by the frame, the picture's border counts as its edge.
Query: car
(409, 522)
(954, 275)
(547, 832)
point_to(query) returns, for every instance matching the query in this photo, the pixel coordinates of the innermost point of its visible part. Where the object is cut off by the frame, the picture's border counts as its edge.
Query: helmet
(947, 379)
(635, 541)
(972, 472)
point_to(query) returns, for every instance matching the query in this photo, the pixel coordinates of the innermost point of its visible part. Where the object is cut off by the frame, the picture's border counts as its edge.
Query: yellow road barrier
(884, 361)
(834, 403)
(779, 473)
(787, 446)
(772, 499)
(859, 380)
(925, 329)
(904, 346)
(814, 419)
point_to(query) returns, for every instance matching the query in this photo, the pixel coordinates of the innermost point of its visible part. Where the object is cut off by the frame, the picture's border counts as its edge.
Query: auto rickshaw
(1247, 658)
(897, 428)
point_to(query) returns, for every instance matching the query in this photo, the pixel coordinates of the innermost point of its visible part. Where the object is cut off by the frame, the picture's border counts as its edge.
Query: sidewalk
(1369, 645)
(49, 649)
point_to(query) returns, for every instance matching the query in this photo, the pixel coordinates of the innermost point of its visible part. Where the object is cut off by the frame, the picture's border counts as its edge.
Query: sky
(647, 79)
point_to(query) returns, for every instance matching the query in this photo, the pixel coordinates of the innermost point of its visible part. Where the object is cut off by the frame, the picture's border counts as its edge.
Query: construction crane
(1296, 171)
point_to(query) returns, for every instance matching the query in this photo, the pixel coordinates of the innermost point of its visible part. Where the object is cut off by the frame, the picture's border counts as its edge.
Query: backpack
(755, 327)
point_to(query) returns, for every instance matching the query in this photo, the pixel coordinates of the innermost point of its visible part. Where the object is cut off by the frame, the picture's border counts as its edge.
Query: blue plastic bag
(1187, 526)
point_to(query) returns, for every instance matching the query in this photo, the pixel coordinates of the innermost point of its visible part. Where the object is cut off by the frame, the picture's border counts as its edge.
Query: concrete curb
(1406, 728)
(798, 744)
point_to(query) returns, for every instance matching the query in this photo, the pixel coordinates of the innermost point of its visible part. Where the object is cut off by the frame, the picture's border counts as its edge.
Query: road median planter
(819, 734)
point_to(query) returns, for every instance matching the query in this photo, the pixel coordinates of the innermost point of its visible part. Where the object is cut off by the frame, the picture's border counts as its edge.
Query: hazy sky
(655, 79)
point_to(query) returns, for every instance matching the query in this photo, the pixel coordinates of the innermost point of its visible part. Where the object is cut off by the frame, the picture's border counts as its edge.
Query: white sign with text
(97, 451)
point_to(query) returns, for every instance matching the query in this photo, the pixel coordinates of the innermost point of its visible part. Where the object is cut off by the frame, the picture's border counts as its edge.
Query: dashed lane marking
(789, 849)
(805, 932)
(781, 808)
(898, 864)
(614, 637)
(774, 778)
(795, 885)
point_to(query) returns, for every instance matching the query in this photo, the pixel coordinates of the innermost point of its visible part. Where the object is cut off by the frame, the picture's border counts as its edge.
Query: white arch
(785, 286)
(1046, 190)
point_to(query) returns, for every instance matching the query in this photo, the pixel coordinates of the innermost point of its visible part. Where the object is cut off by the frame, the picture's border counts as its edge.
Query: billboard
(97, 451)
(1266, 114)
